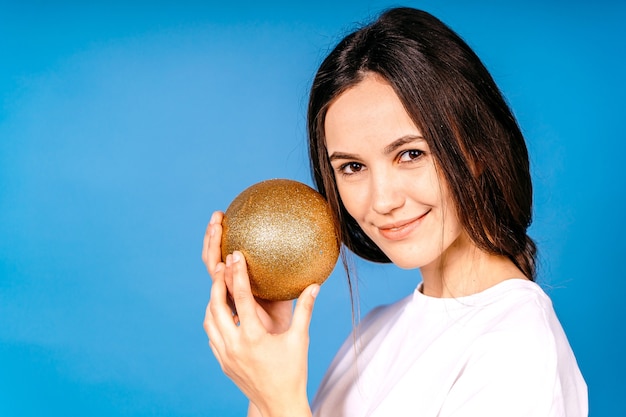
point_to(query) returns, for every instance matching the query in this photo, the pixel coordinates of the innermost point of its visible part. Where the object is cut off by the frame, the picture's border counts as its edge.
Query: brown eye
(410, 155)
(351, 168)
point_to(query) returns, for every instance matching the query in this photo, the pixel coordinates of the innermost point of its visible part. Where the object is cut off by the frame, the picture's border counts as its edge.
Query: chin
(414, 258)
(404, 263)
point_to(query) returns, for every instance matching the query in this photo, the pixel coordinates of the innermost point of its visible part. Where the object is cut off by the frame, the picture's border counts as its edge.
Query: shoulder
(522, 357)
(529, 313)
(518, 319)
(515, 304)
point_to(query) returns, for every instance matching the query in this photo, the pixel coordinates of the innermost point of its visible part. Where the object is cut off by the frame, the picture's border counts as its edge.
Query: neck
(463, 269)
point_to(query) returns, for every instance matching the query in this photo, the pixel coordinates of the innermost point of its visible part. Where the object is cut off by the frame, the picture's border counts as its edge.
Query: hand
(266, 353)
(275, 315)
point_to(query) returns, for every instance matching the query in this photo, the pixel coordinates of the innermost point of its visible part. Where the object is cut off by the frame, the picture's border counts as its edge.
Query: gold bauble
(285, 230)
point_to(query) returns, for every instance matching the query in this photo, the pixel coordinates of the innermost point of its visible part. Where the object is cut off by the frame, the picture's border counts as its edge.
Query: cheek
(353, 200)
(452, 224)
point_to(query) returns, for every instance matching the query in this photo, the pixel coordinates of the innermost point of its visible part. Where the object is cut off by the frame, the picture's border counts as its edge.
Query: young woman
(424, 165)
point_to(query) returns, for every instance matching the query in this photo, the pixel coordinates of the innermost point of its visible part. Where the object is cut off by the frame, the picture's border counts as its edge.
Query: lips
(400, 230)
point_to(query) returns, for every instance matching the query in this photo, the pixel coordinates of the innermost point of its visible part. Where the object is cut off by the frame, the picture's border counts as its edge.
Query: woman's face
(386, 175)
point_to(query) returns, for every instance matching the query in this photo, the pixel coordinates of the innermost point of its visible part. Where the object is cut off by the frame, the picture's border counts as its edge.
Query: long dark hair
(474, 138)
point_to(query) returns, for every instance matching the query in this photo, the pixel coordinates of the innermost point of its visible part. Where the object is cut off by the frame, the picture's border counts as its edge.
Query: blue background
(123, 125)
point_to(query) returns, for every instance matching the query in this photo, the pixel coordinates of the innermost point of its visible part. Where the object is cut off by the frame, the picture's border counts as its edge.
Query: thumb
(304, 309)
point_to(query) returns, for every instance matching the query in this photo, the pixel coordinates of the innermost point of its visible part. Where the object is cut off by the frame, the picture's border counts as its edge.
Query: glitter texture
(284, 229)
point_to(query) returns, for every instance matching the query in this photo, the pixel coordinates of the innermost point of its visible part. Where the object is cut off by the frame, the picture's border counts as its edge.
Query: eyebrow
(388, 149)
(401, 141)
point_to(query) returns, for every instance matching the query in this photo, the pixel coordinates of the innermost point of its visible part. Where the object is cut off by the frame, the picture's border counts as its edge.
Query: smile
(400, 230)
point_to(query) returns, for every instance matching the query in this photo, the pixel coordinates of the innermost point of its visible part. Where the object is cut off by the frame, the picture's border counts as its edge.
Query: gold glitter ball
(285, 230)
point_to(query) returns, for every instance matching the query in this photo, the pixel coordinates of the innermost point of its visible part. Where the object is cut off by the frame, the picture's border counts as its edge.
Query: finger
(220, 313)
(231, 304)
(221, 272)
(207, 237)
(212, 254)
(209, 326)
(217, 217)
(242, 294)
(216, 341)
(304, 309)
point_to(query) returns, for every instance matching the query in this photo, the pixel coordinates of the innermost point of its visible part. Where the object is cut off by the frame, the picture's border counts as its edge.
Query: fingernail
(236, 256)
(212, 218)
(315, 291)
(219, 267)
(229, 260)
(212, 230)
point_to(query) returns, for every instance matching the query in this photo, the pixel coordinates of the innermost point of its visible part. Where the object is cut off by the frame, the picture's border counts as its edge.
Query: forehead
(368, 113)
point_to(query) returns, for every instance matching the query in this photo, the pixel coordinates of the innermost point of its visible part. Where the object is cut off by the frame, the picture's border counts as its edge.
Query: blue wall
(123, 126)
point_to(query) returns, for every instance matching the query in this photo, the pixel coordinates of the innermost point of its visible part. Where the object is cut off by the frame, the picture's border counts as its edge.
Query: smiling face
(386, 176)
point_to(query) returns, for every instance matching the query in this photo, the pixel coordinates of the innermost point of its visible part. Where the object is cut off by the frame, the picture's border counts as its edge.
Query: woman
(424, 166)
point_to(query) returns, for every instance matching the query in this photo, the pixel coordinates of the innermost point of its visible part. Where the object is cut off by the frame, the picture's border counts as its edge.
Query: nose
(386, 194)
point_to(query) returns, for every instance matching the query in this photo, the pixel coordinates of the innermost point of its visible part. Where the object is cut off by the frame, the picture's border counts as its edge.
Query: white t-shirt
(498, 353)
